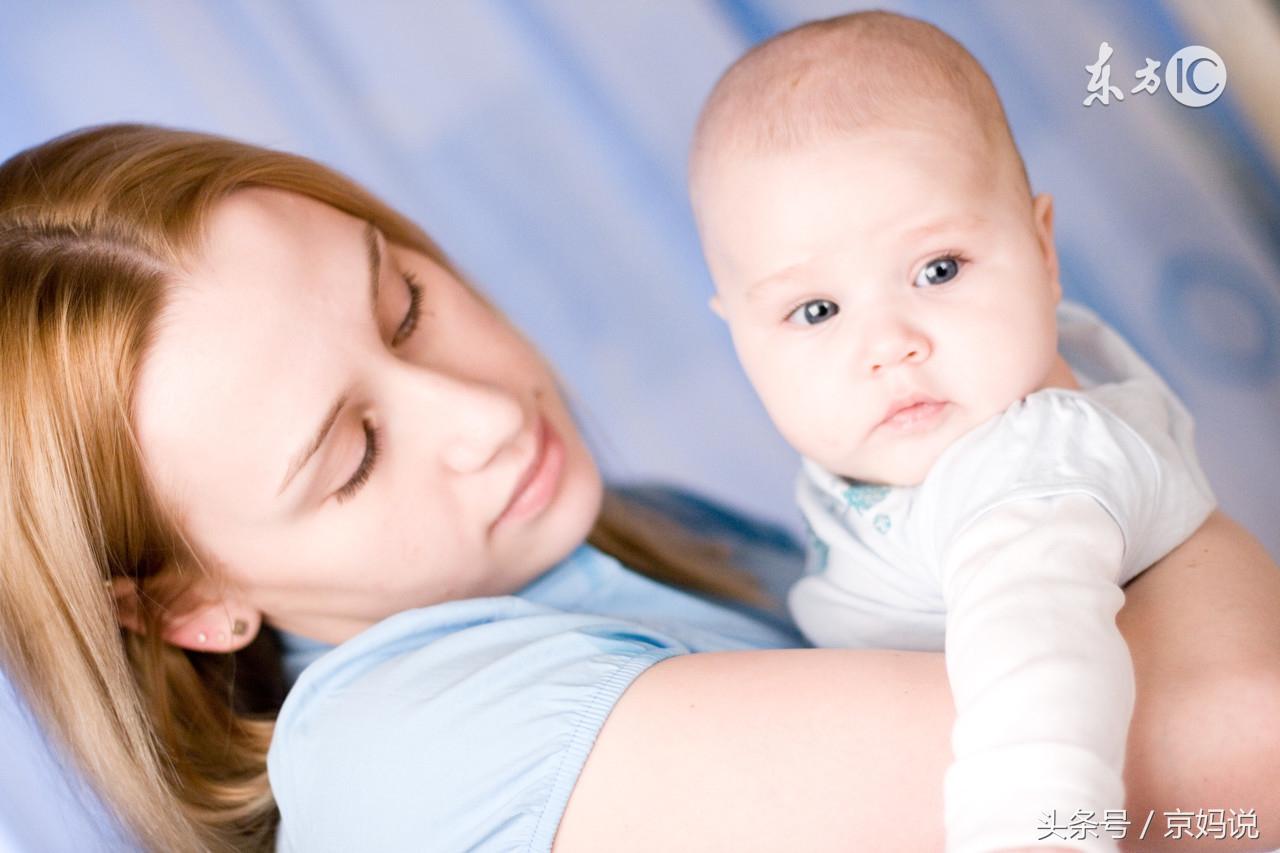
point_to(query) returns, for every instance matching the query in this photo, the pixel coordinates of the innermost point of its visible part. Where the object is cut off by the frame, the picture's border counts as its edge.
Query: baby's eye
(938, 271)
(813, 312)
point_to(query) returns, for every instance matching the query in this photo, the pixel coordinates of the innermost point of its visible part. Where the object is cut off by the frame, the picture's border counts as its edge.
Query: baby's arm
(1042, 678)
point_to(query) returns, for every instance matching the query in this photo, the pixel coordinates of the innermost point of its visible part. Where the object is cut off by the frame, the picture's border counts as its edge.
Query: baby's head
(887, 277)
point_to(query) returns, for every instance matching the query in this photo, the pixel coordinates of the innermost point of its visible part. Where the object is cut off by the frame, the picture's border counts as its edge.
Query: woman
(239, 391)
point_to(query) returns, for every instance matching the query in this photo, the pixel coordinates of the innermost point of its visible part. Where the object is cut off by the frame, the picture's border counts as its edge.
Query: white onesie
(1011, 554)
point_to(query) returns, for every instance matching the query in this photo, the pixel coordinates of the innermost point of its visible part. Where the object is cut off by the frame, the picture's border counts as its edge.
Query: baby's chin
(903, 474)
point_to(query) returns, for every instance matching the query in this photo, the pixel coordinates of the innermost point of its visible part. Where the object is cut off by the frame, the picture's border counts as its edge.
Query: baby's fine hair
(835, 76)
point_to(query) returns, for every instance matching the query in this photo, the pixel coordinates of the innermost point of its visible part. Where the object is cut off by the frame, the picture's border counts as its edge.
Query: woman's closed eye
(940, 270)
(372, 437)
(372, 446)
(410, 321)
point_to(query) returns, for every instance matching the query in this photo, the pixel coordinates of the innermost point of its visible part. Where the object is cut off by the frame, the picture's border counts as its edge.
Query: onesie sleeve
(1118, 444)
(1041, 676)
(1032, 522)
(458, 727)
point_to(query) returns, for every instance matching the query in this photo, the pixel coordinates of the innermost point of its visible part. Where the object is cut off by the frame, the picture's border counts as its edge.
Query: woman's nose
(892, 341)
(469, 421)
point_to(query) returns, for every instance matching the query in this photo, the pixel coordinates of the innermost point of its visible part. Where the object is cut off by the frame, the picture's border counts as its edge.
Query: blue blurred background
(543, 143)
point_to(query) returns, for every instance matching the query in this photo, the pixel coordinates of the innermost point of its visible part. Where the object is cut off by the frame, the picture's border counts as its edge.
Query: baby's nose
(894, 343)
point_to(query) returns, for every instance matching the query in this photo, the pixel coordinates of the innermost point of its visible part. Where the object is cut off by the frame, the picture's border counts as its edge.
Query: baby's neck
(1060, 376)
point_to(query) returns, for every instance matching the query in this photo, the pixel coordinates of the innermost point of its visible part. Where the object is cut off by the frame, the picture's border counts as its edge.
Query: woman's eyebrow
(373, 248)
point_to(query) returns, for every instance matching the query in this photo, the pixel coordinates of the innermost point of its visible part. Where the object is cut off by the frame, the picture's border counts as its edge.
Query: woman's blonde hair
(92, 226)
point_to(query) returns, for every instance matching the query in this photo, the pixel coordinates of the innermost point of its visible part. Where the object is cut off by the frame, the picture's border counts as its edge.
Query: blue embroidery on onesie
(863, 496)
(816, 558)
(882, 523)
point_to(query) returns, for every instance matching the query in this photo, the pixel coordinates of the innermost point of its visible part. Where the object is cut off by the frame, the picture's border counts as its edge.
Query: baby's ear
(714, 304)
(1042, 213)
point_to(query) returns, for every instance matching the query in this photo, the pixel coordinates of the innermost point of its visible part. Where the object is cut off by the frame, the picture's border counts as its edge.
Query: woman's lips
(537, 486)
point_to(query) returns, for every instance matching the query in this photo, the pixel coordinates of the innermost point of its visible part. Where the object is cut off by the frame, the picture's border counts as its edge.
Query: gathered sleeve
(1115, 444)
(462, 726)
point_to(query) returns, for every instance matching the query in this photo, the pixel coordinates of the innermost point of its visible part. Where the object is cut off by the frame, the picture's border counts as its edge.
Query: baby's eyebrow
(963, 222)
(761, 287)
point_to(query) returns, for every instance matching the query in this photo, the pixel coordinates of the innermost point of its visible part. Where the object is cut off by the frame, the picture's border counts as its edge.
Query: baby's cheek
(838, 444)
(821, 427)
(776, 383)
(802, 399)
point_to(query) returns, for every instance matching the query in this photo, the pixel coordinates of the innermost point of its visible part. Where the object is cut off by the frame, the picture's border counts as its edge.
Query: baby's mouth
(912, 414)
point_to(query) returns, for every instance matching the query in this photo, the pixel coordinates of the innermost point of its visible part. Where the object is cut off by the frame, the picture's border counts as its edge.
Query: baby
(892, 289)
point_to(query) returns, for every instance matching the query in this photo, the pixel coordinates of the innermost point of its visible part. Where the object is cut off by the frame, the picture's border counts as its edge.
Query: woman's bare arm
(1203, 627)
(832, 749)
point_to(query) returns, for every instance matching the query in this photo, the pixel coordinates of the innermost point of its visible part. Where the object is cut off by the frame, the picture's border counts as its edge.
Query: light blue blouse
(464, 726)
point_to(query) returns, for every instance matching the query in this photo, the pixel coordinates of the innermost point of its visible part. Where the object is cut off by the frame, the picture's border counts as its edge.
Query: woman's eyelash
(410, 321)
(372, 436)
(372, 445)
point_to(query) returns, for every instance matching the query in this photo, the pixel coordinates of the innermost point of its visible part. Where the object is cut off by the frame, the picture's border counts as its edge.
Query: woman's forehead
(250, 342)
(255, 225)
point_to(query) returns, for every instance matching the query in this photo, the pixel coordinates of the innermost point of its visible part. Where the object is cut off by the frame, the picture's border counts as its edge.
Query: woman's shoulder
(465, 723)
(445, 727)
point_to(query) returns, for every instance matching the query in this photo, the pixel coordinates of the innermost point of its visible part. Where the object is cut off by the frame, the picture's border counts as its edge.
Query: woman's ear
(1042, 213)
(192, 621)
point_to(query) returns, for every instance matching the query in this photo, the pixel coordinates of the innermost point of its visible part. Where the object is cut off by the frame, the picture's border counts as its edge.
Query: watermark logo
(1195, 76)
(1218, 824)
